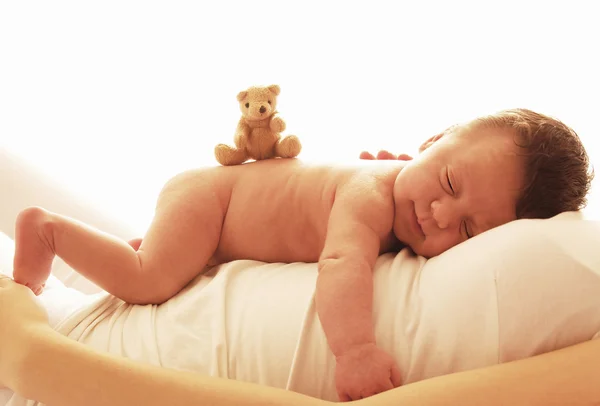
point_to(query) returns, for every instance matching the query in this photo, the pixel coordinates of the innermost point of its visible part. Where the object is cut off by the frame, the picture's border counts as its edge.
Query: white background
(111, 98)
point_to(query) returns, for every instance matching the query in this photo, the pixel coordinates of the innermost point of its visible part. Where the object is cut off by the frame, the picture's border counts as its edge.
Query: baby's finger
(395, 376)
(370, 393)
(353, 393)
(385, 386)
(344, 397)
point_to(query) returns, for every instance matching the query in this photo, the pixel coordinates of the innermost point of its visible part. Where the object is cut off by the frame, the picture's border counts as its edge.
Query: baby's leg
(33, 251)
(184, 234)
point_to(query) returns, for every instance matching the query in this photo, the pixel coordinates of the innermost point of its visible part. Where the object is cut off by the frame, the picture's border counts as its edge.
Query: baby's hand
(364, 371)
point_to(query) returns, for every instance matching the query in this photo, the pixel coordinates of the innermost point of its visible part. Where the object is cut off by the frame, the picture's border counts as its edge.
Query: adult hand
(20, 315)
(384, 155)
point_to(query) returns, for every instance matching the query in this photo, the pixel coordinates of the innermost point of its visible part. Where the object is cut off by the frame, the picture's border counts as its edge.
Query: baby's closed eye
(466, 231)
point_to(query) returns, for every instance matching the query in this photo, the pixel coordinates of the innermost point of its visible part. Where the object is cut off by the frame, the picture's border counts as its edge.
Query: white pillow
(532, 286)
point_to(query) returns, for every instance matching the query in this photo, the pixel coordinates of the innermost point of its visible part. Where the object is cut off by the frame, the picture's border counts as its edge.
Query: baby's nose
(439, 216)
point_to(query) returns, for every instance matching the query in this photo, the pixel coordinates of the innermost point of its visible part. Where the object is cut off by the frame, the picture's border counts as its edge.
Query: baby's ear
(430, 142)
(242, 95)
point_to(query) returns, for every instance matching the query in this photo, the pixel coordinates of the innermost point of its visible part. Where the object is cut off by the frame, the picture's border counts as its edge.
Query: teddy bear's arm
(277, 124)
(242, 133)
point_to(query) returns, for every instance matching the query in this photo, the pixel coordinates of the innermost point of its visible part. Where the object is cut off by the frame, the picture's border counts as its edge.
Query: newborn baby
(468, 179)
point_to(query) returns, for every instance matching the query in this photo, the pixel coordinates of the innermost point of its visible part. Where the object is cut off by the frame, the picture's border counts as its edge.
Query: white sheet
(522, 289)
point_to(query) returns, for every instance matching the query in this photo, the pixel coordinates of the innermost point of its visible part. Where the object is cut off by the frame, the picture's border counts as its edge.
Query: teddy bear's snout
(262, 109)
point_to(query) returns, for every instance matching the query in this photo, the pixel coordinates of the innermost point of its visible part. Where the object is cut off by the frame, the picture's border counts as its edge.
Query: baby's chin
(416, 247)
(422, 251)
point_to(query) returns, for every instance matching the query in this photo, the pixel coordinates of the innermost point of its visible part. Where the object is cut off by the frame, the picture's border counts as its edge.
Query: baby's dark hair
(558, 174)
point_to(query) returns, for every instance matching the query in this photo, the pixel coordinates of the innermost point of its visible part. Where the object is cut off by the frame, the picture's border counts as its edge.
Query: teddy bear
(258, 133)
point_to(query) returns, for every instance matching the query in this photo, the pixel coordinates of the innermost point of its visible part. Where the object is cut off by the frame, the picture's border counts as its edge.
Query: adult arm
(568, 376)
(39, 363)
(62, 372)
(58, 371)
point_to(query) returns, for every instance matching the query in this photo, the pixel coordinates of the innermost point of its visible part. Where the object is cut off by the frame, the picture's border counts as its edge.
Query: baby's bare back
(278, 210)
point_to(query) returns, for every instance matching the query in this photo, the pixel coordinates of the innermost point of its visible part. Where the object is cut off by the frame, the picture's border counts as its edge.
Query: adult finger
(366, 155)
(404, 157)
(383, 154)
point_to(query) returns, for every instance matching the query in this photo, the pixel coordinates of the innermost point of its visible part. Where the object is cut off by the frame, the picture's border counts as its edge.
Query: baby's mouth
(416, 223)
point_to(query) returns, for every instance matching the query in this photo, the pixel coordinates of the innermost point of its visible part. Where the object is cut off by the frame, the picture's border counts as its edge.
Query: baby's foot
(34, 252)
(37, 288)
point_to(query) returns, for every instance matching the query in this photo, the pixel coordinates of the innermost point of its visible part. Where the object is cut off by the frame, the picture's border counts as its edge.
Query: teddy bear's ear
(242, 95)
(274, 89)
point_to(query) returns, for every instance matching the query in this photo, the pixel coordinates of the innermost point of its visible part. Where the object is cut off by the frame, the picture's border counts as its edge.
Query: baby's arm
(344, 298)
(183, 235)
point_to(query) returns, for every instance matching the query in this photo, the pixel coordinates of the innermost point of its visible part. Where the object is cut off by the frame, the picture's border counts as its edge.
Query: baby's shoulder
(373, 180)
(367, 190)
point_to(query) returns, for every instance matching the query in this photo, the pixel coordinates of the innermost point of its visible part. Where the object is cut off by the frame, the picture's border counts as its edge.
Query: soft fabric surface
(522, 289)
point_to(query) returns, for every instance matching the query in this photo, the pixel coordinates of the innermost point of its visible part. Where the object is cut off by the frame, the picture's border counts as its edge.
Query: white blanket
(525, 288)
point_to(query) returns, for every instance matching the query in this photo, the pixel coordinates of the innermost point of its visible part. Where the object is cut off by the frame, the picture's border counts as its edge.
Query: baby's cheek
(415, 186)
(405, 189)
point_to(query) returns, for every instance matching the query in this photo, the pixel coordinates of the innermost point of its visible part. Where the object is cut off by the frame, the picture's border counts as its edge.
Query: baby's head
(482, 174)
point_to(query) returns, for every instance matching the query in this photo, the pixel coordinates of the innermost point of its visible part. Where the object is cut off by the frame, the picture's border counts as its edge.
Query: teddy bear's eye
(247, 105)
(269, 101)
